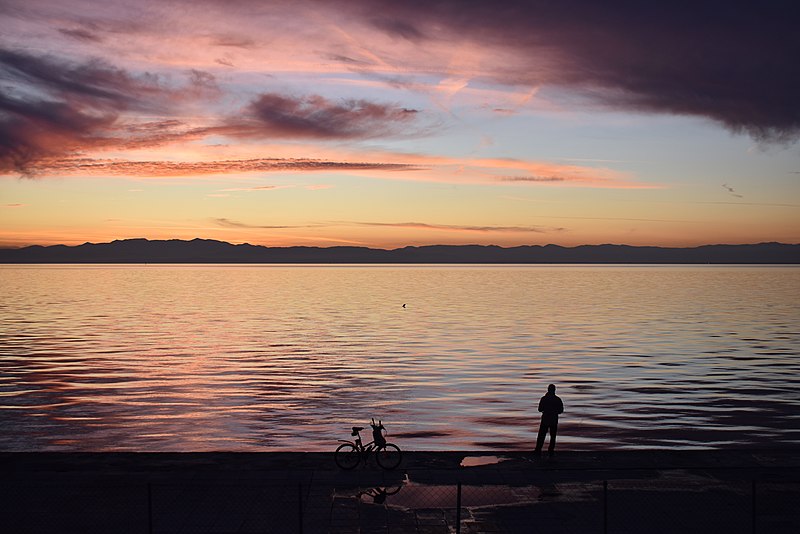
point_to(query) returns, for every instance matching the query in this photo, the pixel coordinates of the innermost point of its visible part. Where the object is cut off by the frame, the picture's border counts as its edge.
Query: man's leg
(540, 437)
(553, 431)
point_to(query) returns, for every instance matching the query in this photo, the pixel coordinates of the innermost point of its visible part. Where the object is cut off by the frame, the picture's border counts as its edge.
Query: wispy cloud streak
(228, 223)
(543, 179)
(193, 168)
(462, 228)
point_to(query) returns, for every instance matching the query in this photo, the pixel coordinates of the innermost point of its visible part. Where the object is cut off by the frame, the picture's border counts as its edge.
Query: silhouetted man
(550, 406)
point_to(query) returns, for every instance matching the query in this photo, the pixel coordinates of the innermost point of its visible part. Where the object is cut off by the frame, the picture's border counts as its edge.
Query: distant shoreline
(381, 264)
(140, 251)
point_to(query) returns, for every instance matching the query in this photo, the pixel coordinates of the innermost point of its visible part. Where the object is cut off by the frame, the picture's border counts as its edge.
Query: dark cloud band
(734, 62)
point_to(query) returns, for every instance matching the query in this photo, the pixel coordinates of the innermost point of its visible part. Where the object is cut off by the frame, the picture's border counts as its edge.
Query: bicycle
(350, 453)
(379, 493)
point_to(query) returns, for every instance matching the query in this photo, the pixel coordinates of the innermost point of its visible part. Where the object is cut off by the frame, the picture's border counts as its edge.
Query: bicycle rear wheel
(346, 456)
(389, 456)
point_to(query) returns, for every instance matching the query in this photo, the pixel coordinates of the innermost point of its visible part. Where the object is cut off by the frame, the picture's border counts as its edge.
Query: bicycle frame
(369, 447)
(350, 453)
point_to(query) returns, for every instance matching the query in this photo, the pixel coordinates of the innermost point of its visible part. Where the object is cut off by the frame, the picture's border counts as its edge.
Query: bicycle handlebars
(378, 426)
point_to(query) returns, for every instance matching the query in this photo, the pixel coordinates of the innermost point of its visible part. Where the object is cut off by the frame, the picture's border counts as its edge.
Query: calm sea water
(210, 357)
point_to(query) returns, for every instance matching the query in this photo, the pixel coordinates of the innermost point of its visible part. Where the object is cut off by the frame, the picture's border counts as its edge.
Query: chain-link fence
(682, 503)
(685, 505)
(677, 502)
(776, 507)
(209, 507)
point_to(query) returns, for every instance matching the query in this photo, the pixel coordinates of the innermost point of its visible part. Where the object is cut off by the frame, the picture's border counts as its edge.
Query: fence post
(300, 507)
(458, 509)
(605, 507)
(753, 505)
(149, 508)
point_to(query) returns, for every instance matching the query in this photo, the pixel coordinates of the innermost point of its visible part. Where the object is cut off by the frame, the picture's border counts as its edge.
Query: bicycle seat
(356, 430)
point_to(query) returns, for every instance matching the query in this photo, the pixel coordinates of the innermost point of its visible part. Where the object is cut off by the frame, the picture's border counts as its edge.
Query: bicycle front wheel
(389, 456)
(346, 456)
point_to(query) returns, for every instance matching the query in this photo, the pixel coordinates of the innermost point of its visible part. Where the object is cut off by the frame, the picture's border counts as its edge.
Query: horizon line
(368, 247)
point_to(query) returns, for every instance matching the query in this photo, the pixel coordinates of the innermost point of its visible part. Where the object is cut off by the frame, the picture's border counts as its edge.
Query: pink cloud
(315, 117)
(84, 166)
(55, 108)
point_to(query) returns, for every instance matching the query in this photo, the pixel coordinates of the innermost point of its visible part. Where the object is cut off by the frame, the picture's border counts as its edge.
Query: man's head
(551, 388)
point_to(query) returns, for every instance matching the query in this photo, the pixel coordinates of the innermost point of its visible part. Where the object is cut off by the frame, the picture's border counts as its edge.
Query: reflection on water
(196, 357)
(476, 461)
(414, 496)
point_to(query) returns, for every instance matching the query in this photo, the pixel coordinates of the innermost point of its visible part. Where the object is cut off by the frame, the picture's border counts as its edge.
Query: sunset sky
(385, 124)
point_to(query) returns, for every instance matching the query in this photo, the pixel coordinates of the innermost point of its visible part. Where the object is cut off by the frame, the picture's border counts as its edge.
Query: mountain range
(212, 251)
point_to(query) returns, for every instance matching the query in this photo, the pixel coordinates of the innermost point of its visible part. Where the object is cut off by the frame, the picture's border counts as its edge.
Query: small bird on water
(404, 305)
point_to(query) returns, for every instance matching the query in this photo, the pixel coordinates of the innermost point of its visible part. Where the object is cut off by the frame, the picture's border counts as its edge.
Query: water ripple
(197, 357)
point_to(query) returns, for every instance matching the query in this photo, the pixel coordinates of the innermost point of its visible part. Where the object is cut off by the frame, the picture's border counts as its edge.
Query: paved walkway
(642, 491)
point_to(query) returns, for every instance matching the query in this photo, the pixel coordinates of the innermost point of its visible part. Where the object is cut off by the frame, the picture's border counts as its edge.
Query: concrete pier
(617, 491)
